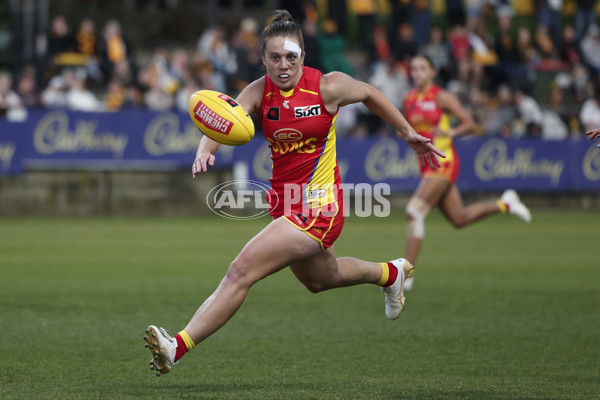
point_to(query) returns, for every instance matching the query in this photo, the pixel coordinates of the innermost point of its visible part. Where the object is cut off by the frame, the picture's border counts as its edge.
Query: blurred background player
(304, 227)
(428, 108)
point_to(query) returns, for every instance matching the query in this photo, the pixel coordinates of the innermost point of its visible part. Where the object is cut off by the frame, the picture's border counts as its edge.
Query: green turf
(500, 310)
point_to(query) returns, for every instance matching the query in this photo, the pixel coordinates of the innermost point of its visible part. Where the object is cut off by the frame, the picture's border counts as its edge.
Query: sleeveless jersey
(301, 135)
(423, 113)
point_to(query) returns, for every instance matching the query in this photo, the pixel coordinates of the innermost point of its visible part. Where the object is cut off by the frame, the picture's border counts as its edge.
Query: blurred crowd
(496, 76)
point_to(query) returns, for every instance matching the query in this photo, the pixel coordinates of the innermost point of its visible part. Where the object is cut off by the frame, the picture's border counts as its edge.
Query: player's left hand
(426, 151)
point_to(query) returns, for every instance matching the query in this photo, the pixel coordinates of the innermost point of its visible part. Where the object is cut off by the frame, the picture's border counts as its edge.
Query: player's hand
(201, 163)
(593, 133)
(426, 151)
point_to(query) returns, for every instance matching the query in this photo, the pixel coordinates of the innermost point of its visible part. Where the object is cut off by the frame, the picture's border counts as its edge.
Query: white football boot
(408, 283)
(394, 294)
(515, 206)
(163, 348)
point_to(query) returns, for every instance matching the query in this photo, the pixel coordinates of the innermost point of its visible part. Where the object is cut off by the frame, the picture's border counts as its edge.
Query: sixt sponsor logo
(307, 111)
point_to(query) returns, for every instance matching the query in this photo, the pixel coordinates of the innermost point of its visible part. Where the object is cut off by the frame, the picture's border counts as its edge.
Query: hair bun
(282, 15)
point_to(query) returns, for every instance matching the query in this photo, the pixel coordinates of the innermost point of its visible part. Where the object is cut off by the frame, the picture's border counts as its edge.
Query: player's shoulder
(251, 97)
(331, 83)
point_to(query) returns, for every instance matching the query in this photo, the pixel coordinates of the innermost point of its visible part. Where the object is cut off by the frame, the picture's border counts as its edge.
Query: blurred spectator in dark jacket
(401, 14)
(247, 53)
(365, 11)
(585, 15)
(569, 47)
(548, 14)
(455, 10)
(310, 32)
(405, 47)
(421, 22)
(60, 40)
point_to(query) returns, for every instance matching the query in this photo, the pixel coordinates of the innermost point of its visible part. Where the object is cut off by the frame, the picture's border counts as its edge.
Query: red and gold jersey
(301, 135)
(424, 115)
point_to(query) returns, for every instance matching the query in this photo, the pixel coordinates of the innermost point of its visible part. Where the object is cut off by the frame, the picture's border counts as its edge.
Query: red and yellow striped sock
(184, 344)
(389, 274)
(502, 206)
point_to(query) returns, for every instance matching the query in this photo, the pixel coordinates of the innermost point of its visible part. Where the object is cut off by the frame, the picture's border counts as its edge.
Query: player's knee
(315, 286)
(237, 273)
(458, 221)
(416, 212)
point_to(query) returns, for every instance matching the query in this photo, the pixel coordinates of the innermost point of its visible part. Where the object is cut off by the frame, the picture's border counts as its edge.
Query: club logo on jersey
(428, 105)
(273, 114)
(287, 135)
(307, 111)
(229, 100)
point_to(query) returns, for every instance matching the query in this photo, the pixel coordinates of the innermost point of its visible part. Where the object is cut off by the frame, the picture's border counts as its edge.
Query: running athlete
(297, 107)
(428, 109)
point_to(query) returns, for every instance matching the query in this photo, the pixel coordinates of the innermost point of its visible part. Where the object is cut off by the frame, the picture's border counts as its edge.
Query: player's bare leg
(258, 259)
(459, 215)
(324, 271)
(429, 193)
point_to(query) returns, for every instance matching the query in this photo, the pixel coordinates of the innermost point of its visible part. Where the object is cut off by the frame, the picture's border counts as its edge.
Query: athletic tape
(417, 210)
(292, 47)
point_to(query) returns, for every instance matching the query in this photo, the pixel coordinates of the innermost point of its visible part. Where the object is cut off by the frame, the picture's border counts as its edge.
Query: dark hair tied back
(282, 24)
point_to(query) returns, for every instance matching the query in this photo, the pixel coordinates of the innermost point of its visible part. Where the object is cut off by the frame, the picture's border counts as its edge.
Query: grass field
(500, 310)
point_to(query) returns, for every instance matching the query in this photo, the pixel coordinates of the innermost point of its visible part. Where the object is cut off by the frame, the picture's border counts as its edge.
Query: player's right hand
(201, 162)
(593, 133)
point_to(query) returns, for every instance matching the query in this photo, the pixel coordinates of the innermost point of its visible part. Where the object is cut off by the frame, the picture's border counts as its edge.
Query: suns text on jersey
(301, 146)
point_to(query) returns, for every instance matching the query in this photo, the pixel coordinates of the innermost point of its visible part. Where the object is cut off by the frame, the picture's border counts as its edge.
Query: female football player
(428, 109)
(297, 107)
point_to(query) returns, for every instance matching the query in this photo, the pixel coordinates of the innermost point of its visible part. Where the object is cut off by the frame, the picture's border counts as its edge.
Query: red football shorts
(449, 169)
(324, 223)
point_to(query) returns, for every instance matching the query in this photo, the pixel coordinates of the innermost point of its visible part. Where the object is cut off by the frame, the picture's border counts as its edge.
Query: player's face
(421, 72)
(283, 66)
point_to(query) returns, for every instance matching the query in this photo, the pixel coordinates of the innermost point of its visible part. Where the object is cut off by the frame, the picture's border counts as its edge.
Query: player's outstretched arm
(249, 99)
(205, 155)
(340, 89)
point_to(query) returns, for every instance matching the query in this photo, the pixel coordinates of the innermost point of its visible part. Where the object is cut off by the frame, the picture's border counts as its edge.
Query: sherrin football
(220, 117)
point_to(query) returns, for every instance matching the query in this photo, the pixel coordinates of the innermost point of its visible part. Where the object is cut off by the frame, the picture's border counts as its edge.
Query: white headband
(292, 47)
